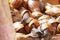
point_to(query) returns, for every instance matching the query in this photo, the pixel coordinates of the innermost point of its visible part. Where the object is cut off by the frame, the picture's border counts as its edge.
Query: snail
(25, 4)
(53, 22)
(34, 7)
(29, 20)
(32, 24)
(36, 14)
(24, 14)
(44, 17)
(52, 10)
(48, 27)
(23, 11)
(15, 3)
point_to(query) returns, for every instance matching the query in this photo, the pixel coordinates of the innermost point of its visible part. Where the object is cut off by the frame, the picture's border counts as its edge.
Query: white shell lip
(16, 24)
(52, 21)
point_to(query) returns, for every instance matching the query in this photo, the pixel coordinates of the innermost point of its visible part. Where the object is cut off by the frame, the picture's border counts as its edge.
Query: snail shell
(58, 28)
(52, 10)
(45, 26)
(24, 14)
(34, 5)
(33, 24)
(25, 4)
(15, 3)
(58, 19)
(44, 17)
(36, 14)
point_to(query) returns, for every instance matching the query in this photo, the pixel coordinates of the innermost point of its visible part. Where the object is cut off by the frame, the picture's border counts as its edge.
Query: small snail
(34, 5)
(28, 28)
(58, 19)
(24, 13)
(52, 10)
(33, 24)
(36, 14)
(53, 22)
(15, 3)
(29, 20)
(47, 26)
(44, 17)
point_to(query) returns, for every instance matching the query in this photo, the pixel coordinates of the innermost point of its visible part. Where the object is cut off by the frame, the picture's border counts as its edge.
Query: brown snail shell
(34, 5)
(33, 23)
(29, 20)
(28, 28)
(15, 3)
(25, 4)
(36, 14)
(58, 19)
(43, 21)
(44, 17)
(24, 13)
(52, 20)
(52, 10)
(58, 28)
(47, 26)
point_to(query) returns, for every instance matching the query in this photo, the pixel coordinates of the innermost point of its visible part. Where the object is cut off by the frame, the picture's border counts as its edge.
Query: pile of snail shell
(27, 17)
